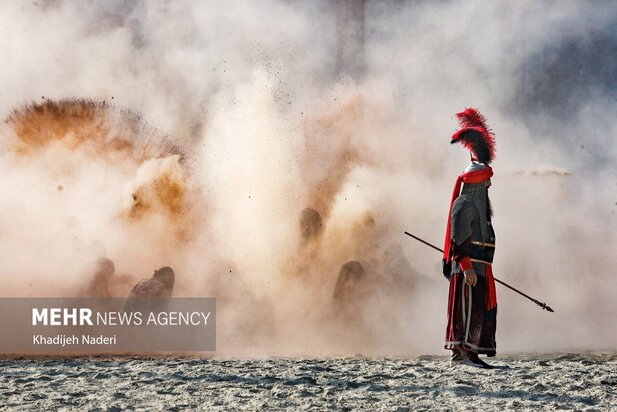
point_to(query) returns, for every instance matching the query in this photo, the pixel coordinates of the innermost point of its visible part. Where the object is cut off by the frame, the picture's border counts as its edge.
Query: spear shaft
(537, 302)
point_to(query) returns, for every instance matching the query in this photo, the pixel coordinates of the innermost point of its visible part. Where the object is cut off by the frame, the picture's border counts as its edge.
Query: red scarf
(472, 177)
(491, 292)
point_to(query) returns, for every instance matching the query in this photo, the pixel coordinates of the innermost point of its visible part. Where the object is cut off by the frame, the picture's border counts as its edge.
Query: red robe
(472, 311)
(470, 324)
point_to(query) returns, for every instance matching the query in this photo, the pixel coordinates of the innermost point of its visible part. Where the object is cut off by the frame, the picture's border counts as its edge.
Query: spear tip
(543, 306)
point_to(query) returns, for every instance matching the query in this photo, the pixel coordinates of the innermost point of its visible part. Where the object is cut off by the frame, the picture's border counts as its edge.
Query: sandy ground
(522, 382)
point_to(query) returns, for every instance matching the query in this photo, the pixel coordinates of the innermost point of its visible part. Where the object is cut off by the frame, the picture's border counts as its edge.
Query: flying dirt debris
(95, 126)
(71, 135)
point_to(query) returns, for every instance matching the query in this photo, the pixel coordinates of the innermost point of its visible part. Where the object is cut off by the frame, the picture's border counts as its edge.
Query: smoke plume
(225, 141)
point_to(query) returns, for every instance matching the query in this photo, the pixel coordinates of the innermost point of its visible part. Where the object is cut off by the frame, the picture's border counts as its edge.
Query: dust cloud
(225, 141)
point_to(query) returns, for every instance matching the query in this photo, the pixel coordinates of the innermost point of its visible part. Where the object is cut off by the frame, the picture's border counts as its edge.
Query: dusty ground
(522, 382)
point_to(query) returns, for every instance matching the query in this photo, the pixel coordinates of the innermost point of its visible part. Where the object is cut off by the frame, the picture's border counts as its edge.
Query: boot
(457, 357)
(474, 360)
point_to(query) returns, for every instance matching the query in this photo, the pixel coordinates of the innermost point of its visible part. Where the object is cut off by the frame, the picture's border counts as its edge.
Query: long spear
(536, 301)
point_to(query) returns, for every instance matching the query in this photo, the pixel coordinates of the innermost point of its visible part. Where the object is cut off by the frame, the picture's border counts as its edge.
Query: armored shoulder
(463, 214)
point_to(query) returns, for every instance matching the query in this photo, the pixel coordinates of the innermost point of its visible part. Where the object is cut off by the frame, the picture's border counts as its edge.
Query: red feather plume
(475, 135)
(471, 117)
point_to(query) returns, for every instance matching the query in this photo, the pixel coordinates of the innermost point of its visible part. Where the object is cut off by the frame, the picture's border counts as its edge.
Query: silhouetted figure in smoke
(390, 275)
(151, 294)
(310, 224)
(354, 295)
(99, 285)
(309, 245)
(160, 285)
(398, 274)
(352, 283)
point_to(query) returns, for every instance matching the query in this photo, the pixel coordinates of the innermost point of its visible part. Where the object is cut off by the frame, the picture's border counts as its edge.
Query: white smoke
(249, 91)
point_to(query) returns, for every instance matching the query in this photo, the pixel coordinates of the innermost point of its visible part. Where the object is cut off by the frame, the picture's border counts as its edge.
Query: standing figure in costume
(469, 249)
